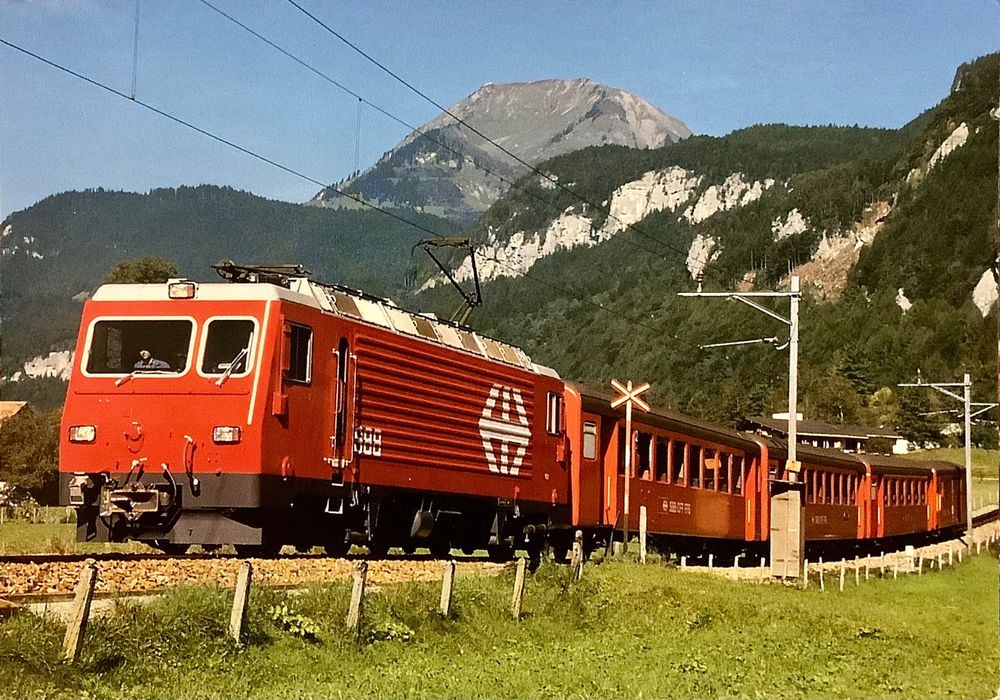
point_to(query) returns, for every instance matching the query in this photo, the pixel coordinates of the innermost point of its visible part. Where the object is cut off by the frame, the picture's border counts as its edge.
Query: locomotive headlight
(226, 433)
(82, 433)
(181, 289)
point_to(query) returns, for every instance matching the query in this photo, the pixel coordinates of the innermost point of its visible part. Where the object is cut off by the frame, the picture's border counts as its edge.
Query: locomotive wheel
(499, 552)
(336, 548)
(378, 548)
(440, 547)
(269, 549)
(172, 548)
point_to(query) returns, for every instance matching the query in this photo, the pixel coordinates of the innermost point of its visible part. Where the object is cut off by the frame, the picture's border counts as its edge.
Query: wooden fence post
(761, 570)
(642, 534)
(960, 555)
(240, 599)
(736, 561)
(857, 571)
(895, 571)
(73, 641)
(822, 587)
(576, 561)
(684, 562)
(515, 604)
(920, 566)
(940, 561)
(805, 574)
(951, 555)
(356, 611)
(447, 586)
(843, 570)
(710, 558)
(867, 568)
(882, 565)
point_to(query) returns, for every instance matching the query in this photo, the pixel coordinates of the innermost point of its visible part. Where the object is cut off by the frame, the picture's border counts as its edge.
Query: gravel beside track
(19, 580)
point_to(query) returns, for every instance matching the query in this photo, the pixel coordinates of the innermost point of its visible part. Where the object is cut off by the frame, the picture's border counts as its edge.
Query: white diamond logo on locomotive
(504, 429)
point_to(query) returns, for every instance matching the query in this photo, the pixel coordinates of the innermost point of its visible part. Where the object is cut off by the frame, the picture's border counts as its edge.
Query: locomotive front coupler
(133, 500)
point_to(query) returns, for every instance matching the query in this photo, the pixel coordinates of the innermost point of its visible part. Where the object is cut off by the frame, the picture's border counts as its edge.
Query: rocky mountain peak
(534, 120)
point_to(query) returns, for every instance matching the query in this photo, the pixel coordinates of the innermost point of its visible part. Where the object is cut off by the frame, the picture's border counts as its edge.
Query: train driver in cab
(149, 363)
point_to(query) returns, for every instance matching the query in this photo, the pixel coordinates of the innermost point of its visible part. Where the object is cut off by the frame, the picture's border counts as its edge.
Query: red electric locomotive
(283, 411)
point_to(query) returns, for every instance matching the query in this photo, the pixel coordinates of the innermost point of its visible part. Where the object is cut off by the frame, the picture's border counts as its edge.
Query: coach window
(695, 466)
(709, 477)
(738, 474)
(725, 470)
(228, 347)
(590, 440)
(298, 360)
(553, 413)
(662, 462)
(644, 456)
(821, 482)
(116, 344)
(679, 453)
(809, 477)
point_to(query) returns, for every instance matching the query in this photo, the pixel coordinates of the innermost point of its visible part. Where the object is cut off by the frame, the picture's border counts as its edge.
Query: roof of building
(9, 408)
(818, 428)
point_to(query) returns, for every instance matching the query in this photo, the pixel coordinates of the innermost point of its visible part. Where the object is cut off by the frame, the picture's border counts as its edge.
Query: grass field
(20, 537)
(624, 632)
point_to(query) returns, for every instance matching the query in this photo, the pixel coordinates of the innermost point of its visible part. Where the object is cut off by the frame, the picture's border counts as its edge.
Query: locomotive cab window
(298, 354)
(228, 346)
(144, 345)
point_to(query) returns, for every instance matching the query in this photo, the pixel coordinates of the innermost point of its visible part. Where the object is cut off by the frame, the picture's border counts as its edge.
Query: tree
(29, 455)
(917, 420)
(147, 270)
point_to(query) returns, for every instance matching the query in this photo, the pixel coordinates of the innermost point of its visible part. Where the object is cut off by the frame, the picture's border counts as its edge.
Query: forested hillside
(891, 231)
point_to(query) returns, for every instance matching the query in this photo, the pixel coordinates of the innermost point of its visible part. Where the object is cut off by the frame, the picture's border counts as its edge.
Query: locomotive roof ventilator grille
(381, 312)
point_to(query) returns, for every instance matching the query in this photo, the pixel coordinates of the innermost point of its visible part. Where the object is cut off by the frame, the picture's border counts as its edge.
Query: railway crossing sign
(629, 396)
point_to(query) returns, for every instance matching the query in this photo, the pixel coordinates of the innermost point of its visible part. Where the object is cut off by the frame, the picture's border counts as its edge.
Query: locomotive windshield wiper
(232, 366)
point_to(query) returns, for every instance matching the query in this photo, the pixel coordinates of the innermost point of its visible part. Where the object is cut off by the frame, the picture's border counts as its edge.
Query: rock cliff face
(535, 121)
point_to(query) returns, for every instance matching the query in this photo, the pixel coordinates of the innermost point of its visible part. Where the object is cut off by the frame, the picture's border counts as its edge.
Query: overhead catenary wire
(292, 171)
(707, 262)
(385, 112)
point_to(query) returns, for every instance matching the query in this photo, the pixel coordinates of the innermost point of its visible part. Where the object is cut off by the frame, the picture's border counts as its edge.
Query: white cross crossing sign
(630, 394)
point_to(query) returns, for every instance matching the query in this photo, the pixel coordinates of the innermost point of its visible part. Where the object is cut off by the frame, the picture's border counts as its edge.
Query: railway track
(32, 577)
(59, 558)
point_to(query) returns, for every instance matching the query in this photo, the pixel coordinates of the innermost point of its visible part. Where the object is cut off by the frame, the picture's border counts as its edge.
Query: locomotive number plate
(368, 441)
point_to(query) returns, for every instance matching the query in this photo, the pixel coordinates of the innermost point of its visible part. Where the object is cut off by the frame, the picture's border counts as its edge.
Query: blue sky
(718, 66)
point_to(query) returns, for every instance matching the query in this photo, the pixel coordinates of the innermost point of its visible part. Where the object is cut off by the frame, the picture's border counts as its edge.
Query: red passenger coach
(281, 411)
(696, 480)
